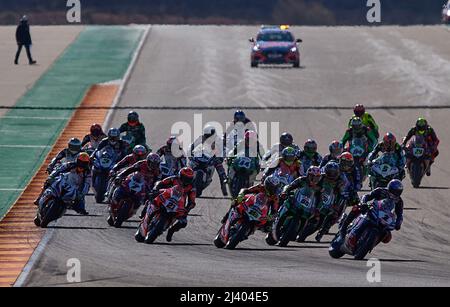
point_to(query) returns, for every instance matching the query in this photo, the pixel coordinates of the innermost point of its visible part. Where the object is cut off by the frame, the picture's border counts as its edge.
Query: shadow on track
(434, 188)
(263, 249)
(307, 246)
(90, 215)
(77, 227)
(181, 244)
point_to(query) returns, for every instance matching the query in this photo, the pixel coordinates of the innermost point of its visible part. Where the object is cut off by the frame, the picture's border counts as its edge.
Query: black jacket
(23, 36)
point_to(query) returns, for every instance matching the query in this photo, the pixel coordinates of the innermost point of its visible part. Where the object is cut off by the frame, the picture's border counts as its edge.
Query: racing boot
(176, 227)
(348, 220)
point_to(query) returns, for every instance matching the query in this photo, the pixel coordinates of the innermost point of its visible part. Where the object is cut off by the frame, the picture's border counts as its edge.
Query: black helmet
(332, 170)
(395, 187)
(133, 117)
(286, 139)
(239, 116)
(74, 145)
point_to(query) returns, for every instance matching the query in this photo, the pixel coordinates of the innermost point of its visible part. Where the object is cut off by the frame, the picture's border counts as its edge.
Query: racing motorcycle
(383, 170)
(293, 217)
(203, 167)
(417, 156)
(243, 220)
(159, 218)
(122, 209)
(103, 163)
(359, 148)
(377, 223)
(56, 199)
(328, 207)
(243, 168)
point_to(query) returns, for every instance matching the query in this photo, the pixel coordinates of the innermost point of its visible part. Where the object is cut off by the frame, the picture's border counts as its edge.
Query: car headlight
(294, 49)
(256, 48)
(448, 13)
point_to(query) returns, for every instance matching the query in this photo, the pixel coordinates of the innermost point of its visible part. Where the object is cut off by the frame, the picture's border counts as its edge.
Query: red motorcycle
(127, 199)
(248, 216)
(163, 211)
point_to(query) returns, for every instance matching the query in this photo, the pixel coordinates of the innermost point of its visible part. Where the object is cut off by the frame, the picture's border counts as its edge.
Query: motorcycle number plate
(357, 151)
(418, 152)
(244, 162)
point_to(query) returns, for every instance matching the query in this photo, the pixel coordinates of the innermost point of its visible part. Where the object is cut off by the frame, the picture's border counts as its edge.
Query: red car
(275, 45)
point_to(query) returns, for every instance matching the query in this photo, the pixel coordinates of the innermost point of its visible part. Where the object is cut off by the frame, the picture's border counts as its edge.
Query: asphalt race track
(209, 66)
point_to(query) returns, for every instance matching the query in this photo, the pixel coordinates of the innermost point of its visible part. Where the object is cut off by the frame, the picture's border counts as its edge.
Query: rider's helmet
(310, 148)
(271, 185)
(74, 146)
(335, 148)
(286, 139)
(83, 161)
(313, 173)
(186, 176)
(332, 170)
(359, 110)
(346, 161)
(239, 116)
(133, 118)
(395, 187)
(96, 130)
(140, 152)
(209, 131)
(289, 155)
(421, 125)
(356, 124)
(250, 137)
(153, 161)
(389, 142)
(113, 136)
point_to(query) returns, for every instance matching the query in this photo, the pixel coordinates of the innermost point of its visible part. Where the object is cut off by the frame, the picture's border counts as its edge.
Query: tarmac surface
(209, 66)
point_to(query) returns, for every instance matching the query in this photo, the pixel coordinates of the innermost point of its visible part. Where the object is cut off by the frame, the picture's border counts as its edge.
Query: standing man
(23, 38)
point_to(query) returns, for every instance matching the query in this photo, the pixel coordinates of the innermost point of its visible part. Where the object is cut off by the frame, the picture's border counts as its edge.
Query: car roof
(265, 29)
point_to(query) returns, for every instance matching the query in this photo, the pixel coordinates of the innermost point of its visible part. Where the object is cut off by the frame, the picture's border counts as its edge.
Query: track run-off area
(207, 68)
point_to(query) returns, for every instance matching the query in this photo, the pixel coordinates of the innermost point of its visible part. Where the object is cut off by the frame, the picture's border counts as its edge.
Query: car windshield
(275, 37)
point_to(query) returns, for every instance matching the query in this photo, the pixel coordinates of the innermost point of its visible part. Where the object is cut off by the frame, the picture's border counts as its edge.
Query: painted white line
(126, 77)
(36, 117)
(36, 255)
(11, 189)
(24, 146)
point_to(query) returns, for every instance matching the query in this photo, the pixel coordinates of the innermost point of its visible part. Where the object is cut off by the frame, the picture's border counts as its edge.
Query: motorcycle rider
(352, 177)
(423, 129)
(335, 149)
(184, 179)
(69, 154)
(267, 189)
(173, 152)
(286, 140)
(392, 192)
(288, 164)
(139, 153)
(210, 139)
(331, 175)
(390, 145)
(310, 180)
(309, 155)
(113, 140)
(95, 136)
(134, 127)
(358, 129)
(149, 168)
(250, 148)
(240, 125)
(80, 167)
(360, 111)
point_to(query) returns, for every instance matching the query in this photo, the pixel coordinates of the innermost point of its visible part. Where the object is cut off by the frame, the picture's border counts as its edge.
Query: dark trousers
(19, 50)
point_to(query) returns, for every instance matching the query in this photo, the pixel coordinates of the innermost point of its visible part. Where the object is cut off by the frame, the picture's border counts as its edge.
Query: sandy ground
(209, 66)
(48, 43)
